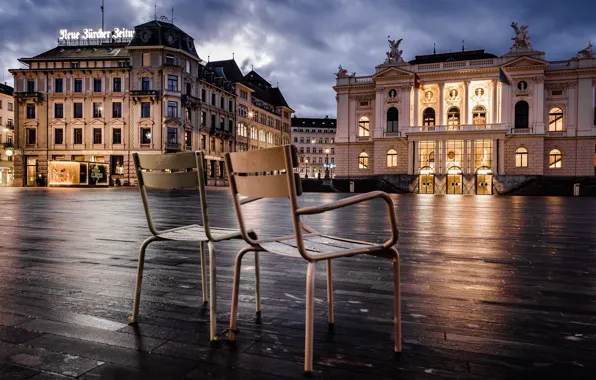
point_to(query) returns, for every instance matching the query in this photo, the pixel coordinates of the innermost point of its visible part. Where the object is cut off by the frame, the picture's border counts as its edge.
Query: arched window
(363, 160)
(270, 137)
(428, 117)
(522, 111)
(479, 115)
(363, 127)
(521, 157)
(242, 131)
(555, 120)
(254, 133)
(392, 118)
(453, 117)
(555, 159)
(391, 158)
(262, 135)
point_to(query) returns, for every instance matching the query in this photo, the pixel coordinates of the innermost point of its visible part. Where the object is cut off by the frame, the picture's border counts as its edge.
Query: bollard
(351, 186)
(576, 189)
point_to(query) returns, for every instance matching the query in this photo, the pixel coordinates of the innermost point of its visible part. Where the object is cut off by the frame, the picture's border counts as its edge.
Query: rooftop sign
(91, 36)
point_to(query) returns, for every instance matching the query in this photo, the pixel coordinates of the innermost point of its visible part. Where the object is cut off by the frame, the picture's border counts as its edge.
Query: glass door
(454, 181)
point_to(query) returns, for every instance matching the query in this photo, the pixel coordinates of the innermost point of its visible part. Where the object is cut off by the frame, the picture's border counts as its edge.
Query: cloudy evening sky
(300, 43)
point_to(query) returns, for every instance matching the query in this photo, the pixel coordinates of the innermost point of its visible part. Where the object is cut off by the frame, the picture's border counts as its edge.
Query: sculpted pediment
(58, 123)
(96, 122)
(392, 72)
(31, 123)
(116, 122)
(525, 62)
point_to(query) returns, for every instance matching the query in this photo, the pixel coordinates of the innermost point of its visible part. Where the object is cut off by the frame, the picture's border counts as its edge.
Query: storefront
(78, 173)
(6, 173)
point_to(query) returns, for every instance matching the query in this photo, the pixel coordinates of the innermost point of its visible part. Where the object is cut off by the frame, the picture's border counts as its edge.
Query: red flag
(417, 81)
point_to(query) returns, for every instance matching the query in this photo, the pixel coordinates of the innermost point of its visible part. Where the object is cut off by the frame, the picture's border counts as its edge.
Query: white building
(315, 140)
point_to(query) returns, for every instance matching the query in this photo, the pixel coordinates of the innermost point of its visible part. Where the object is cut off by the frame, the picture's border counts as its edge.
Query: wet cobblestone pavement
(492, 288)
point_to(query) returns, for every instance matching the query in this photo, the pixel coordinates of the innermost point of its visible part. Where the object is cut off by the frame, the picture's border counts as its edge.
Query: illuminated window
(363, 127)
(521, 157)
(555, 120)
(391, 158)
(392, 119)
(428, 117)
(522, 111)
(453, 118)
(363, 161)
(479, 115)
(555, 159)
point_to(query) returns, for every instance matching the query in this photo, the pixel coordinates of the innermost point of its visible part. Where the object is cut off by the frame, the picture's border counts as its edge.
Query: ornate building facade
(85, 106)
(315, 140)
(468, 122)
(6, 135)
(263, 115)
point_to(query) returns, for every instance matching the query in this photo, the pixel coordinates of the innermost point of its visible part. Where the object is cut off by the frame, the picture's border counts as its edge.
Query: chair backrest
(267, 173)
(171, 171)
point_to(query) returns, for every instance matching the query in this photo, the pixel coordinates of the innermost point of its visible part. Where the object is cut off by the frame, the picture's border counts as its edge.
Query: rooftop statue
(341, 73)
(587, 52)
(394, 54)
(521, 39)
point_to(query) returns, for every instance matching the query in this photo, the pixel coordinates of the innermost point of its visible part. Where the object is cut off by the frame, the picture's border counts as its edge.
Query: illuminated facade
(6, 135)
(468, 122)
(263, 115)
(315, 140)
(97, 100)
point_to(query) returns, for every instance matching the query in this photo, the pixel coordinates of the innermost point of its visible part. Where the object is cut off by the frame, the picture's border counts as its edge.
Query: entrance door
(484, 181)
(454, 181)
(427, 183)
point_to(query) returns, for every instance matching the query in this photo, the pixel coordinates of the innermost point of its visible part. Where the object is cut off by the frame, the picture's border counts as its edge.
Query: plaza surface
(492, 287)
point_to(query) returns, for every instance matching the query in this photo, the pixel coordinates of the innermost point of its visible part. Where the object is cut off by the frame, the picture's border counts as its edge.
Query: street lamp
(306, 173)
(327, 163)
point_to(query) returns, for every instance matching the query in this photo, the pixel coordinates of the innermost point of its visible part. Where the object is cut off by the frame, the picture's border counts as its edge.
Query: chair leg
(396, 301)
(310, 310)
(204, 273)
(139, 282)
(212, 284)
(235, 290)
(331, 318)
(258, 283)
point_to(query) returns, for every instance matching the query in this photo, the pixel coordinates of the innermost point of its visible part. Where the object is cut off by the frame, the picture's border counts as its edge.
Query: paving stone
(13, 372)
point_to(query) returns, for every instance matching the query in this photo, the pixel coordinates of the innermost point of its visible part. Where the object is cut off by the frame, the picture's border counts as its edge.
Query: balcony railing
(460, 127)
(190, 100)
(145, 93)
(173, 147)
(38, 96)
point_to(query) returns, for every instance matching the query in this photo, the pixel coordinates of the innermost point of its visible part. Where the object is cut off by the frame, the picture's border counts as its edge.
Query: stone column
(465, 158)
(441, 118)
(495, 105)
(444, 157)
(472, 157)
(437, 157)
(501, 157)
(570, 112)
(416, 106)
(404, 115)
(410, 157)
(415, 155)
(495, 162)
(379, 100)
(539, 105)
(466, 118)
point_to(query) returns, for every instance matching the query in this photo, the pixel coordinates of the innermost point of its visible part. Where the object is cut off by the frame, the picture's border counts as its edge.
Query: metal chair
(176, 171)
(269, 173)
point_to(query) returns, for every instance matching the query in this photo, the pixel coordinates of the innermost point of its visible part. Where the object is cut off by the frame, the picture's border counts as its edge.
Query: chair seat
(317, 245)
(196, 232)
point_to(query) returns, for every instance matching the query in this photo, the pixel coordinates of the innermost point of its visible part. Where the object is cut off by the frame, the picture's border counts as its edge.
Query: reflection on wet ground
(493, 287)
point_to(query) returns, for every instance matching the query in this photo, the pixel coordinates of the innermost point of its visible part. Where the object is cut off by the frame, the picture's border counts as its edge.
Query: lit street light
(327, 163)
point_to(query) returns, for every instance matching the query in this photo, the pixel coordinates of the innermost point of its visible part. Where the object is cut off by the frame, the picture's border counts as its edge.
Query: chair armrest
(355, 200)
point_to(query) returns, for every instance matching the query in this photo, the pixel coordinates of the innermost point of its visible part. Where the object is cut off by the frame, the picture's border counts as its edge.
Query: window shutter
(137, 60)
(155, 59)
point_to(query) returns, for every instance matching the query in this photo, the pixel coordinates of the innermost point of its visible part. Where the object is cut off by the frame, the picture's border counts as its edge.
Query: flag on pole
(504, 77)
(417, 81)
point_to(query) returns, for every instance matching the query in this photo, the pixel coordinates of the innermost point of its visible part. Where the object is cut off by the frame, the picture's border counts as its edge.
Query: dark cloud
(300, 43)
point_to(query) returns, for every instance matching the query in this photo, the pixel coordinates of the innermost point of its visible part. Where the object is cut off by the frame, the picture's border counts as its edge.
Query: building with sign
(6, 135)
(315, 140)
(263, 115)
(83, 107)
(468, 122)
